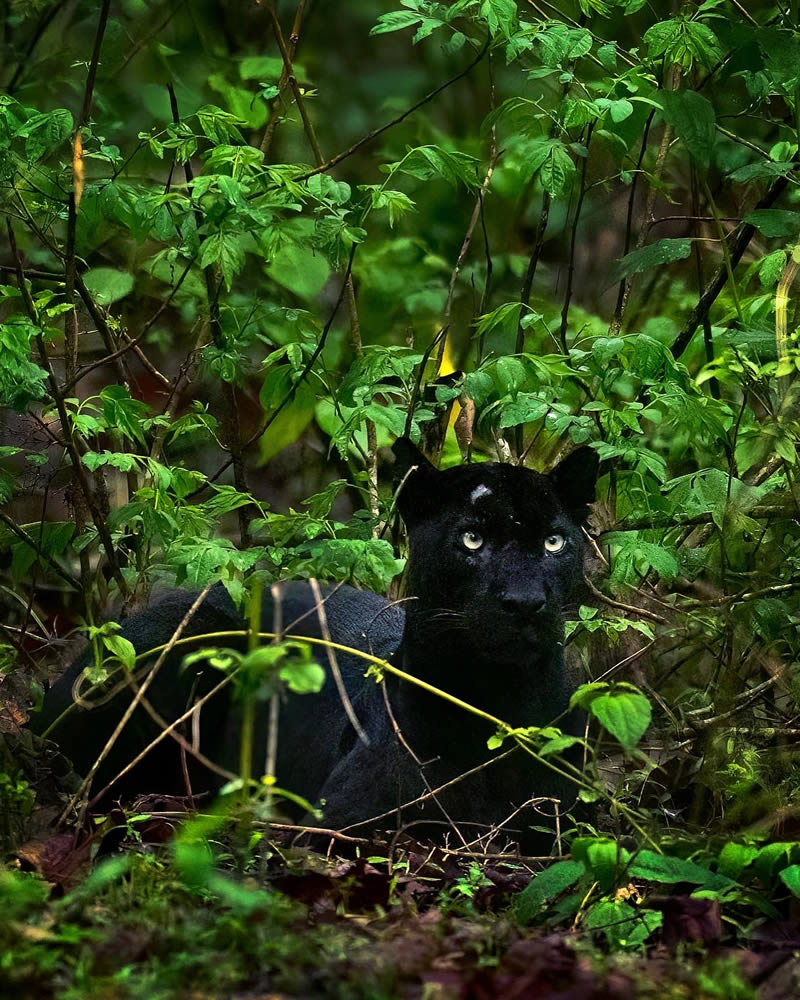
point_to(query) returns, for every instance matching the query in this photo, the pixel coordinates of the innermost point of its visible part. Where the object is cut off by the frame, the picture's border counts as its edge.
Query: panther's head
(495, 550)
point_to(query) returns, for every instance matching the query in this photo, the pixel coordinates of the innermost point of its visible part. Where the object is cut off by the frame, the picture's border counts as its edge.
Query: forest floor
(128, 907)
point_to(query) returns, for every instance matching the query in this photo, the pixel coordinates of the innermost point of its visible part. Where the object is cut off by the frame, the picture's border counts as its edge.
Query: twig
(671, 83)
(527, 285)
(38, 33)
(87, 781)
(435, 791)
(88, 93)
(293, 84)
(573, 243)
(114, 353)
(138, 46)
(739, 241)
(398, 732)
(70, 435)
(133, 345)
(271, 756)
(344, 697)
(303, 374)
(630, 608)
(321, 831)
(355, 325)
(323, 167)
(272, 124)
(167, 731)
(213, 286)
(462, 253)
(42, 555)
(746, 699)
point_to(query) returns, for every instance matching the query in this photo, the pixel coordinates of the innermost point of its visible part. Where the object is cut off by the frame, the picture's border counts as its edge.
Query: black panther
(495, 553)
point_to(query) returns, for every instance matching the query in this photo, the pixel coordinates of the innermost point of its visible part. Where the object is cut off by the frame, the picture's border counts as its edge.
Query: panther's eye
(554, 543)
(472, 540)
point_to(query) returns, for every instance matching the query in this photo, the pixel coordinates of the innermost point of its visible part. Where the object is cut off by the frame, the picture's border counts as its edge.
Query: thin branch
(45, 21)
(272, 124)
(324, 167)
(138, 46)
(264, 427)
(293, 84)
(231, 416)
(133, 345)
(630, 608)
(671, 83)
(573, 243)
(70, 435)
(91, 77)
(136, 700)
(333, 663)
(738, 243)
(42, 555)
(167, 731)
(462, 253)
(676, 521)
(104, 330)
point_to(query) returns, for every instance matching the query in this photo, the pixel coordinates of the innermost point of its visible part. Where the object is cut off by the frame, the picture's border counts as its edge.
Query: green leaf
(425, 162)
(781, 50)
(293, 418)
(123, 414)
(773, 857)
(544, 887)
(661, 252)
(775, 222)
(635, 555)
(558, 744)
(117, 460)
(21, 381)
(734, 858)
(625, 714)
(665, 870)
(225, 250)
(560, 45)
(525, 408)
(327, 189)
(303, 677)
(623, 927)
(683, 41)
(122, 648)
(300, 270)
(44, 132)
(606, 861)
(369, 562)
(53, 537)
(262, 67)
(500, 15)
(761, 168)
(198, 562)
(396, 202)
(791, 878)
(607, 54)
(499, 317)
(396, 21)
(694, 120)
(107, 285)
(557, 170)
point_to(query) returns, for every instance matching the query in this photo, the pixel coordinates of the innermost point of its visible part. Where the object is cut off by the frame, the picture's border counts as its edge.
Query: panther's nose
(524, 605)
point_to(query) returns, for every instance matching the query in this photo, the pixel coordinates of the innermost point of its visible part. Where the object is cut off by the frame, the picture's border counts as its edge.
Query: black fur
(484, 625)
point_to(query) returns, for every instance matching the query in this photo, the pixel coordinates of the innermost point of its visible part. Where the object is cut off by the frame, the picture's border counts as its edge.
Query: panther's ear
(414, 476)
(575, 480)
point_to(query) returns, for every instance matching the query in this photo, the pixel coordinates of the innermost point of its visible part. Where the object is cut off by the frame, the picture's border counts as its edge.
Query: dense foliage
(246, 247)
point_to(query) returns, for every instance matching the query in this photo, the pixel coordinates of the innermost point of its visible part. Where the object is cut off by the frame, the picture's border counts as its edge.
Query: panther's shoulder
(357, 618)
